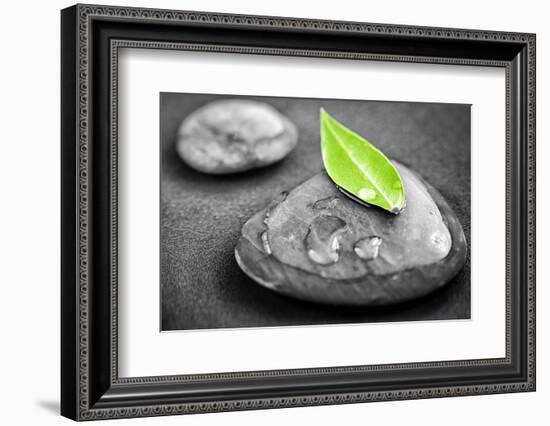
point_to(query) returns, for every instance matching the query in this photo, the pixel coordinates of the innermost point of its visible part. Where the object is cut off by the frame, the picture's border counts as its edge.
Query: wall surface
(29, 225)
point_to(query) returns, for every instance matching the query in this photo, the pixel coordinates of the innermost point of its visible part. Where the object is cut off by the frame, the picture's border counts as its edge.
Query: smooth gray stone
(234, 135)
(317, 244)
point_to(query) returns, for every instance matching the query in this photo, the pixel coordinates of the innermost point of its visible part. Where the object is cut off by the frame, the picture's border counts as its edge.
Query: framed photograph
(263, 212)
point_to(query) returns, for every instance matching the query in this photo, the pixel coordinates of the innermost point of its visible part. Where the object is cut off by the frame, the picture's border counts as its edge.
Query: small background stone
(201, 216)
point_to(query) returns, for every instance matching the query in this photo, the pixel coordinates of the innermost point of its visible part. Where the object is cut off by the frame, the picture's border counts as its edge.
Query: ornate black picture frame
(90, 38)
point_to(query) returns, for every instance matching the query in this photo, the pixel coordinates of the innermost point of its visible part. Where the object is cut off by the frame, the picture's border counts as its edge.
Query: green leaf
(358, 167)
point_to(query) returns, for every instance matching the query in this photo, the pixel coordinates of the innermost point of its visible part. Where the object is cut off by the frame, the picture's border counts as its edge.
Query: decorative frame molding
(91, 388)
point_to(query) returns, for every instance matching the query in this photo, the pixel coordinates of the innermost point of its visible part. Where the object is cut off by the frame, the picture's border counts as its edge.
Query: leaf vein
(358, 164)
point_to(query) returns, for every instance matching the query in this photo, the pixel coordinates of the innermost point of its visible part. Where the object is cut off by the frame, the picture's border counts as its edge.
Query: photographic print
(279, 211)
(332, 238)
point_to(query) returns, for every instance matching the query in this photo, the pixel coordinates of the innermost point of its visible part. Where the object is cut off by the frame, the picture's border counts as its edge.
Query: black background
(201, 215)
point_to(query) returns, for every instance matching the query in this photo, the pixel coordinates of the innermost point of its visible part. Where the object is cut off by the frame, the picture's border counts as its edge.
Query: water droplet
(322, 240)
(367, 248)
(442, 242)
(325, 203)
(265, 242)
(366, 194)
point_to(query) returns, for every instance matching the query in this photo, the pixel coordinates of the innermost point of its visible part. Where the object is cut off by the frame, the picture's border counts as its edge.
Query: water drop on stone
(442, 242)
(325, 203)
(322, 240)
(265, 242)
(367, 248)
